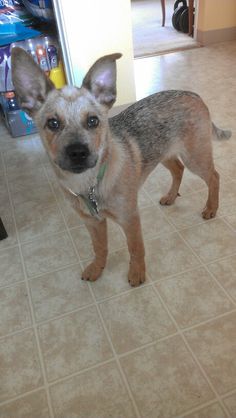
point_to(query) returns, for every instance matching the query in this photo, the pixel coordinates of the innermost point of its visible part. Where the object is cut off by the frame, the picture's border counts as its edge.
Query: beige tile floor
(69, 349)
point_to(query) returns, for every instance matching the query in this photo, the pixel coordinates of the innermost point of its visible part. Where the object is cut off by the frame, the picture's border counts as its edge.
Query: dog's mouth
(78, 170)
(75, 170)
(66, 165)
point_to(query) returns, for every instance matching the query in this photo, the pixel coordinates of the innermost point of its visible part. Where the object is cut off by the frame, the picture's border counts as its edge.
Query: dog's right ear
(100, 80)
(30, 82)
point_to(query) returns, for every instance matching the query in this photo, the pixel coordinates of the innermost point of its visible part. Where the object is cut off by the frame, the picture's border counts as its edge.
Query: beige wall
(93, 28)
(216, 14)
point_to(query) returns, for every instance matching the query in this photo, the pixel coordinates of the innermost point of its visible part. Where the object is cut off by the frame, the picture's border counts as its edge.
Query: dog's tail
(220, 134)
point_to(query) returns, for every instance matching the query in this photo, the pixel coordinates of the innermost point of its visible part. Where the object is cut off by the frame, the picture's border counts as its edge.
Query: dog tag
(93, 204)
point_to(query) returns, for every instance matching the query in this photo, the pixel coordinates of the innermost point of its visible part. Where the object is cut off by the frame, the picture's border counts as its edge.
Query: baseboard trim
(215, 36)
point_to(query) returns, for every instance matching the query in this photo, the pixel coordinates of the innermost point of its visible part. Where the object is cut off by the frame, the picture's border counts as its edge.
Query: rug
(149, 37)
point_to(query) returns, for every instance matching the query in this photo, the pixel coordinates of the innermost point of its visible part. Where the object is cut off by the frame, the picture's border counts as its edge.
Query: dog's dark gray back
(155, 121)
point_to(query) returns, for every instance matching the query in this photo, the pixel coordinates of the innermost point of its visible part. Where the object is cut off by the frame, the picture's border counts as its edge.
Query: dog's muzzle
(77, 158)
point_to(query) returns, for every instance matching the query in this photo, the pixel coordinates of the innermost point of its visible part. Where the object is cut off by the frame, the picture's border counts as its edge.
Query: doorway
(149, 36)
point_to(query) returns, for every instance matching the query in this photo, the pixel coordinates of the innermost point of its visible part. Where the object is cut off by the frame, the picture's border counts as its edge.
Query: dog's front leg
(133, 232)
(98, 233)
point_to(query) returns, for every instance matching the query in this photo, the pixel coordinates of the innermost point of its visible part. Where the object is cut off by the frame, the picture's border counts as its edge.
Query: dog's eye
(92, 122)
(53, 124)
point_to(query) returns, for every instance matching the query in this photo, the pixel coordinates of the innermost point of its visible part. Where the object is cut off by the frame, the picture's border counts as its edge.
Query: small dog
(102, 162)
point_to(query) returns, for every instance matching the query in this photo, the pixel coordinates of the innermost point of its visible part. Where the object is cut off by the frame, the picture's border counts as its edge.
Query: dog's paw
(208, 213)
(92, 272)
(136, 275)
(168, 199)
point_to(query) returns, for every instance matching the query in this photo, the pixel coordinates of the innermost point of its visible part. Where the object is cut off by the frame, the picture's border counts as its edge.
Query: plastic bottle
(30, 48)
(42, 57)
(57, 76)
(52, 53)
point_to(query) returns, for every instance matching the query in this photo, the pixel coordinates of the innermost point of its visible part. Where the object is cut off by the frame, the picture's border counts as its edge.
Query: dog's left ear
(100, 80)
(30, 82)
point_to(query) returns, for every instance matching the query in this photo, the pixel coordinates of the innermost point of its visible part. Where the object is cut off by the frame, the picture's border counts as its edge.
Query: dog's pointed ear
(30, 82)
(100, 80)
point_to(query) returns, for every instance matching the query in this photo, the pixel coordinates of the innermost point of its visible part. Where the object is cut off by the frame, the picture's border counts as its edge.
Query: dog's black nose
(77, 153)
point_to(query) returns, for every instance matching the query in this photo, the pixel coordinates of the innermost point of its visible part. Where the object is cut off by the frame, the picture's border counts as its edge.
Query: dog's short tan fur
(157, 129)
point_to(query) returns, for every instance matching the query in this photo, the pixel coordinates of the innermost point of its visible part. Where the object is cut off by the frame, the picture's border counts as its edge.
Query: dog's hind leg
(176, 169)
(201, 163)
(213, 182)
(98, 233)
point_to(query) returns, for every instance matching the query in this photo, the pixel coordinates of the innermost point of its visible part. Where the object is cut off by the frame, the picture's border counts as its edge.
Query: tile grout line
(34, 325)
(59, 380)
(56, 270)
(79, 372)
(184, 338)
(198, 409)
(128, 389)
(7, 286)
(183, 193)
(177, 332)
(46, 321)
(208, 321)
(64, 378)
(220, 286)
(218, 397)
(228, 223)
(151, 284)
(61, 316)
(229, 393)
(9, 247)
(226, 294)
(67, 229)
(199, 259)
(205, 266)
(201, 222)
(173, 275)
(22, 396)
(179, 230)
(109, 298)
(197, 362)
(162, 211)
(196, 255)
(150, 344)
